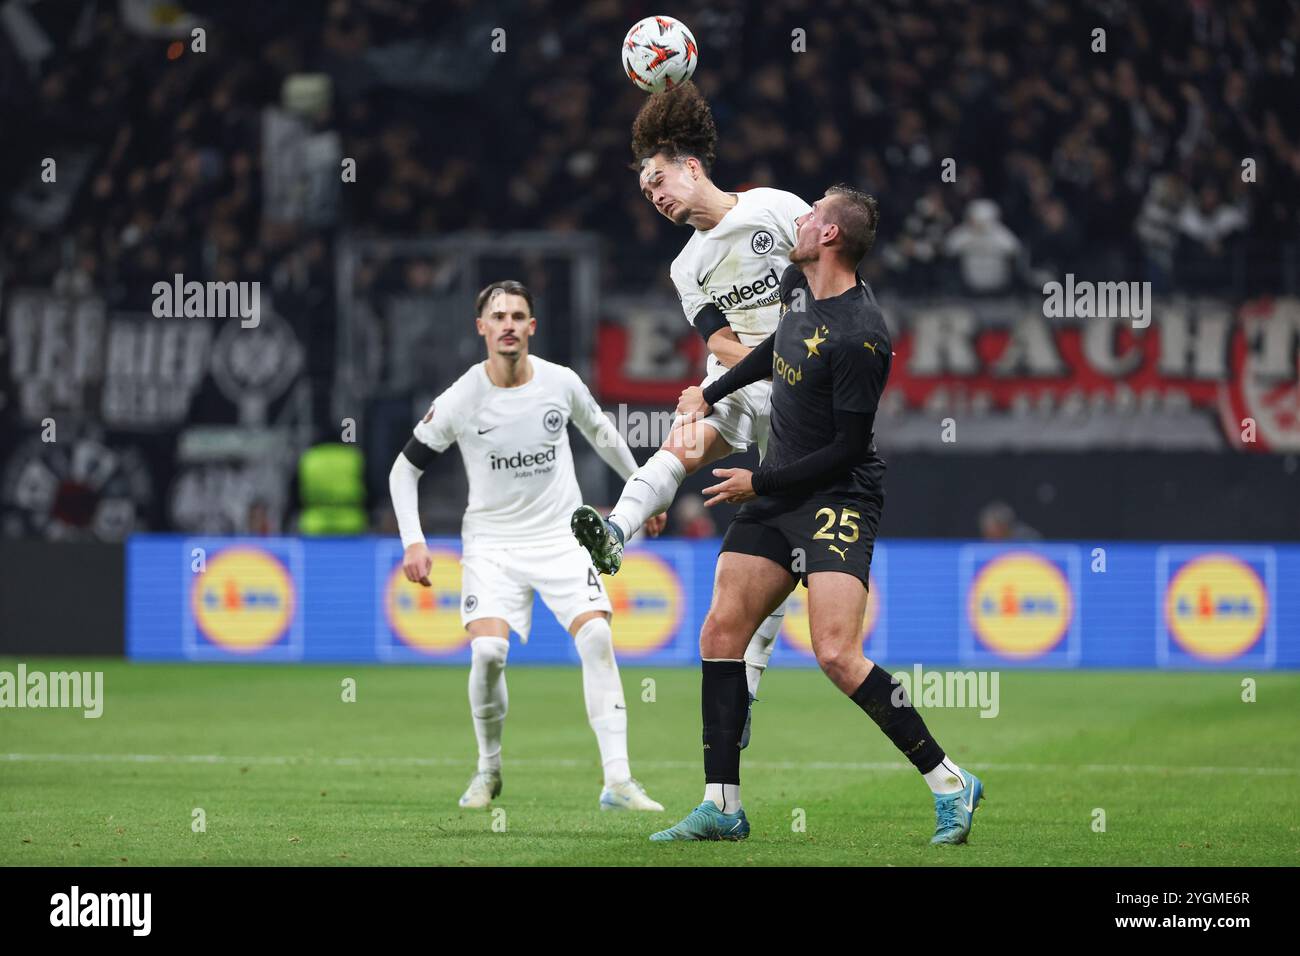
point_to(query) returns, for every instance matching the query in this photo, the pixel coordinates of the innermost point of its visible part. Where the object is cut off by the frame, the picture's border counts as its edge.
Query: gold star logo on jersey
(817, 339)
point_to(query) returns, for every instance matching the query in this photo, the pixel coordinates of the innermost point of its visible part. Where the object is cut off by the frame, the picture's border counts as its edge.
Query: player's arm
(599, 431)
(434, 434)
(858, 377)
(707, 319)
(404, 489)
(724, 344)
(696, 402)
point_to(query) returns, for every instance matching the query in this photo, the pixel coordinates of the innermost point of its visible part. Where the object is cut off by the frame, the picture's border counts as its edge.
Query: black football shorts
(824, 532)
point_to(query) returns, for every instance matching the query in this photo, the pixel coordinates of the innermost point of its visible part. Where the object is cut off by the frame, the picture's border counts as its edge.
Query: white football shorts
(744, 417)
(499, 580)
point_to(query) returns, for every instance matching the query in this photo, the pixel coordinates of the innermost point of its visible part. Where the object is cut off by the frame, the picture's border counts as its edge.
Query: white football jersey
(515, 446)
(737, 264)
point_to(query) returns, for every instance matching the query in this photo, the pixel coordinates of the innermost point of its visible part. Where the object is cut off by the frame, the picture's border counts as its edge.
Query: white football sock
(725, 796)
(759, 651)
(488, 701)
(648, 492)
(945, 778)
(603, 691)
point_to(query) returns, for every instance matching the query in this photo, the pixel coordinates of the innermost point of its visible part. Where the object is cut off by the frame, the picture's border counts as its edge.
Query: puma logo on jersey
(842, 552)
(870, 345)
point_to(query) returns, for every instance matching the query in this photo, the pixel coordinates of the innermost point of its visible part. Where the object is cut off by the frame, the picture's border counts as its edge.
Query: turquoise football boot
(601, 539)
(954, 812)
(707, 822)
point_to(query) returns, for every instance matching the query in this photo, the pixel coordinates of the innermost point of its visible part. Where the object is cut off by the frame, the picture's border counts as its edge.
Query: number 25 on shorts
(846, 521)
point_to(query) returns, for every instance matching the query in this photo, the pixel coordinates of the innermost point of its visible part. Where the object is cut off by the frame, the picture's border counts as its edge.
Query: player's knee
(679, 444)
(595, 643)
(489, 653)
(692, 445)
(718, 634)
(836, 658)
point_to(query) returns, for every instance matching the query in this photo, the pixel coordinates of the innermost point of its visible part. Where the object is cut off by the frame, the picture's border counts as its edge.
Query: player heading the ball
(727, 278)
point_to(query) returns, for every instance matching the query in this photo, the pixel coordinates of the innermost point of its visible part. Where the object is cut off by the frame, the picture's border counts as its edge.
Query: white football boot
(483, 786)
(628, 795)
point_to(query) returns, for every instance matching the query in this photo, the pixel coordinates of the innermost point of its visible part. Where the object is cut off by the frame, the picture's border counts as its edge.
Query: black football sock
(900, 721)
(724, 698)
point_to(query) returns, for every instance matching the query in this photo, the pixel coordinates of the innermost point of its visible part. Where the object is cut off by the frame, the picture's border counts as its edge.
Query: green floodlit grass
(287, 773)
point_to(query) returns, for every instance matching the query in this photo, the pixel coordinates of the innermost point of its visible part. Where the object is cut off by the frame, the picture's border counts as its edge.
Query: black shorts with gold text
(824, 532)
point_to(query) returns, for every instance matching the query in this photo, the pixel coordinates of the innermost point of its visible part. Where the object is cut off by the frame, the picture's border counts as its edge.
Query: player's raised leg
(836, 604)
(602, 689)
(746, 589)
(488, 704)
(648, 492)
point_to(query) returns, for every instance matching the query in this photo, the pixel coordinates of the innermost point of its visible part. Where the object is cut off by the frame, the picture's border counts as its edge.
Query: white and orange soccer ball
(659, 53)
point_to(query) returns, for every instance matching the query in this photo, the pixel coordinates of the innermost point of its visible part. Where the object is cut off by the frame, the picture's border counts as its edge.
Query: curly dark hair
(678, 123)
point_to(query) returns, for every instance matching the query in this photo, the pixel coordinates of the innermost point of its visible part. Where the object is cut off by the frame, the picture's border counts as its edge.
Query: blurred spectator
(690, 519)
(998, 522)
(1209, 224)
(913, 258)
(1056, 242)
(1157, 229)
(987, 249)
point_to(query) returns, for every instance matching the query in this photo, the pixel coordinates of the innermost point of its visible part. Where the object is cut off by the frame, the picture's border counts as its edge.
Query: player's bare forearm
(727, 348)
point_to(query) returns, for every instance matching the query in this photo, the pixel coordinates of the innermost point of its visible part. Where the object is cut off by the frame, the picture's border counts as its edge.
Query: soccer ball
(659, 53)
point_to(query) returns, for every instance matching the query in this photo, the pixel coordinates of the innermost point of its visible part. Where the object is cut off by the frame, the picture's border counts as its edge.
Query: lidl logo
(1216, 607)
(646, 595)
(1020, 605)
(795, 629)
(244, 600)
(427, 619)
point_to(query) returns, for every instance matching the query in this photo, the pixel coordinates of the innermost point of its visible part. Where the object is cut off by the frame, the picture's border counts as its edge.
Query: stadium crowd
(1126, 163)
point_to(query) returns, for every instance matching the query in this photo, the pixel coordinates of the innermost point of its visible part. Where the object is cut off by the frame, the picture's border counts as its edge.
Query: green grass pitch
(286, 772)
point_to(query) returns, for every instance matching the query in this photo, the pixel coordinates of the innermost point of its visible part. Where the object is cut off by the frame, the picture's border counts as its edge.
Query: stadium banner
(1202, 374)
(115, 420)
(1042, 605)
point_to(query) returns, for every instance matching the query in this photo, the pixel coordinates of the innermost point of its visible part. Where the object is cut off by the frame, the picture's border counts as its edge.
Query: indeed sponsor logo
(741, 294)
(522, 459)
